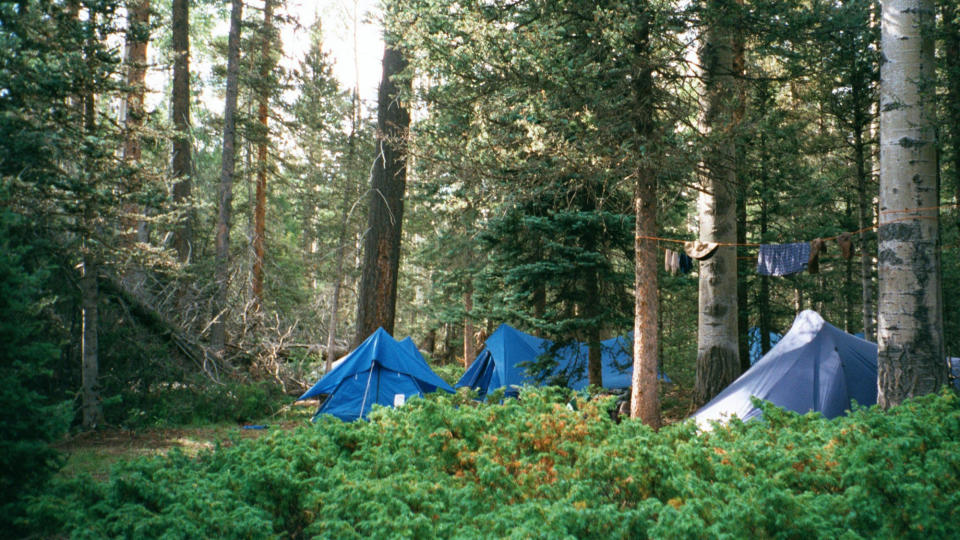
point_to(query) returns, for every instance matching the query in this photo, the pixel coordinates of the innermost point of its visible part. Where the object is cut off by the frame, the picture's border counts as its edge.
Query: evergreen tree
(376, 305)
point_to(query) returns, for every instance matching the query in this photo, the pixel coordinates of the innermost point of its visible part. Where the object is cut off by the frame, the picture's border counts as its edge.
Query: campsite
(480, 269)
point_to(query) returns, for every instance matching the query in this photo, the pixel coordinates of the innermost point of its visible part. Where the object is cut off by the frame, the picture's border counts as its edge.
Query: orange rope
(859, 231)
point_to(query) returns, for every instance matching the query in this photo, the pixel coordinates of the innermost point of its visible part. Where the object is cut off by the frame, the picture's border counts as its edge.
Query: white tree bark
(909, 322)
(717, 347)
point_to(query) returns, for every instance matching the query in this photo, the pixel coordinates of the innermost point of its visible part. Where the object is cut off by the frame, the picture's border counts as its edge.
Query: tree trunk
(718, 358)
(744, 269)
(644, 392)
(225, 199)
(764, 300)
(135, 57)
(469, 347)
(91, 405)
(260, 211)
(376, 305)
(182, 158)
(910, 324)
(848, 286)
(864, 211)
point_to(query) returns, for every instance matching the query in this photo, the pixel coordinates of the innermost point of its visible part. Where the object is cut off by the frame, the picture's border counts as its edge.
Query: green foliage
(198, 401)
(30, 420)
(449, 372)
(445, 466)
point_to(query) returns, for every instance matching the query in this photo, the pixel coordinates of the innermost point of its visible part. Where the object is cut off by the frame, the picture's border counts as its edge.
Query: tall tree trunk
(718, 357)
(260, 211)
(135, 57)
(848, 286)
(644, 392)
(182, 154)
(864, 213)
(590, 312)
(89, 299)
(743, 263)
(764, 299)
(469, 347)
(90, 373)
(376, 306)
(910, 321)
(218, 331)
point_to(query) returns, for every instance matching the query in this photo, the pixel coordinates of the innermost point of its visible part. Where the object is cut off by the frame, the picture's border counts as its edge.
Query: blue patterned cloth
(783, 259)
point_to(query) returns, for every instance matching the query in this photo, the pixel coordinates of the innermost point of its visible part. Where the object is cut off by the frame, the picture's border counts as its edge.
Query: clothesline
(858, 231)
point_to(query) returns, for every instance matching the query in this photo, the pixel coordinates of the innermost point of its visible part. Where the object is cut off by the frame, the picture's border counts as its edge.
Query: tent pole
(363, 403)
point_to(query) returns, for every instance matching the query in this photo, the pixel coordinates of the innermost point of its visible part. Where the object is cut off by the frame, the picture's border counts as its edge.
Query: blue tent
(815, 367)
(753, 340)
(955, 371)
(381, 370)
(502, 362)
(617, 358)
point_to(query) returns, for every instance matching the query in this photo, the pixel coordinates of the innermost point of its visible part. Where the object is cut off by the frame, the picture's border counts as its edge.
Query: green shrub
(198, 401)
(446, 466)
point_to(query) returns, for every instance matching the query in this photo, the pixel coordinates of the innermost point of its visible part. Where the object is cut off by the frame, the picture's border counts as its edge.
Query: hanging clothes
(783, 259)
(817, 246)
(846, 245)
(666, 260)
(686, 263)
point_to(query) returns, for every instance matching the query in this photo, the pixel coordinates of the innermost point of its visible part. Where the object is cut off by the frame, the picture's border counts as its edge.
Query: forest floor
(95, 452)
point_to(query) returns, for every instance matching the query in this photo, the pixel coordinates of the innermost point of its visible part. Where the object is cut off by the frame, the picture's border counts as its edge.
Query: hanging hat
(846, 245)
(700, 250)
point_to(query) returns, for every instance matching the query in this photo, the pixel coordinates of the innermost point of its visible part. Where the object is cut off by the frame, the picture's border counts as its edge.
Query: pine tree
(376, 306)
(225, 194)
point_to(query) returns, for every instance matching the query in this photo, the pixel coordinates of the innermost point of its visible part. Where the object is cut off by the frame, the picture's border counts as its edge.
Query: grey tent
(814, 367)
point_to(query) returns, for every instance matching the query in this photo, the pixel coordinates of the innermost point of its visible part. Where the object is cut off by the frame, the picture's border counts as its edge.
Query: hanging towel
(817, 246)
(782, 259)
(674, 263)
(700, 250)
(686, 263)
(666, 260)
(846, 245)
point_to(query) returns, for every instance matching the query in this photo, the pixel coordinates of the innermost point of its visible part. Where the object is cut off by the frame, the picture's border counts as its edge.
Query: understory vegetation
(549, 464)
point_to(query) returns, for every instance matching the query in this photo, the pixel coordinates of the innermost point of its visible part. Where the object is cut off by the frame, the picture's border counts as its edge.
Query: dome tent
(503, 361)
(381, 370)
(814, 367)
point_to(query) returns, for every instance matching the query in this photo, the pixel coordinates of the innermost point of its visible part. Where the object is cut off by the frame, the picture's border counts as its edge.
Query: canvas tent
(755, 347)
(381, 370)
(507, 350)
(814, 367)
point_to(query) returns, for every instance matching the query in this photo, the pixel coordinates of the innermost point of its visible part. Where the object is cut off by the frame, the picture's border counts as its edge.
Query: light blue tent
(502, 363)
(381, 370)
(753, 341)
(814, 367)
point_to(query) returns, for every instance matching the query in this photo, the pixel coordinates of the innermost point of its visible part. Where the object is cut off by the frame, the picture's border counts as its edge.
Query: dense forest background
(521, 154)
